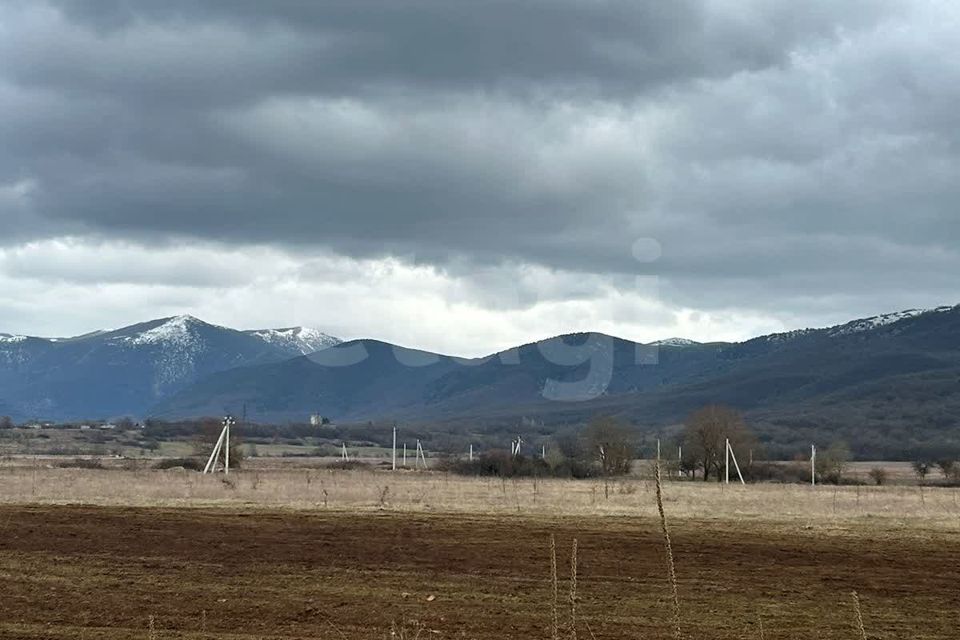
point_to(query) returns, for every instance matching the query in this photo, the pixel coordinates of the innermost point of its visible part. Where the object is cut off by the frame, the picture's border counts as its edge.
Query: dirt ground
(107, 572)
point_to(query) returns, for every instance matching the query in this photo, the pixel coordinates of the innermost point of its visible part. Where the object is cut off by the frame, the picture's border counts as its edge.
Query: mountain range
(366, 379)
(897, 373)
(128, 370)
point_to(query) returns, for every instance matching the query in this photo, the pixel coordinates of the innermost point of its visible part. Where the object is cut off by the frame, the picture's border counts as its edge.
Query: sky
(464, 176)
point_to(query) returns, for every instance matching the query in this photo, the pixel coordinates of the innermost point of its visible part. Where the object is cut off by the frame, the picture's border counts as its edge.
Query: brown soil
(104, 572)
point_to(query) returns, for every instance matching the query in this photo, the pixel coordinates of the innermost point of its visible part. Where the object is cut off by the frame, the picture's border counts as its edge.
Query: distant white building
(318, 420)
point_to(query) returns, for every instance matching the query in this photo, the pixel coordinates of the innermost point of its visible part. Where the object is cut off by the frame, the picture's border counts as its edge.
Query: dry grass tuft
(671, 571)
(573, 591)
(555, 626)
(856, 608)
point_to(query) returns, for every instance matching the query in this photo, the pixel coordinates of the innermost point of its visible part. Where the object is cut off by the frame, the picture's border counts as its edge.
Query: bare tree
(6, 422)
(610, 441)
(922, 468)
(705, 434)
(832, 463)
(948, 467)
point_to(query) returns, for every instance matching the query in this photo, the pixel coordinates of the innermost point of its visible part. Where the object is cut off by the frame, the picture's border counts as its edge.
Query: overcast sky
(467, 175)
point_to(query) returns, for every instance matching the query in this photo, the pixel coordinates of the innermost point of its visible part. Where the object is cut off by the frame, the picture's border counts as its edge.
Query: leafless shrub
(878, 475)
(81, 463)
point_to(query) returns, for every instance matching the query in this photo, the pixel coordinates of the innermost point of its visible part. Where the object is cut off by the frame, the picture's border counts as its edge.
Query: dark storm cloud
(786, 151)
(608, 45)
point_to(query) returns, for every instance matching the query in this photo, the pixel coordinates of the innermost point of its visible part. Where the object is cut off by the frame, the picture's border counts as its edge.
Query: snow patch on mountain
(786, 336)
(177, 330)
(296, 340)
(675, 342)
(855, 326)
(867, 324)
(179, 349)
(13, 350)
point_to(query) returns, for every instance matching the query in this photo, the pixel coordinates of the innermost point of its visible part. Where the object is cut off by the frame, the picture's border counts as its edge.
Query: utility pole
(736, 465)
(813, 465)
(223, 440)
(226, 456)
(420, 455)
(394, 447)
(726, 464)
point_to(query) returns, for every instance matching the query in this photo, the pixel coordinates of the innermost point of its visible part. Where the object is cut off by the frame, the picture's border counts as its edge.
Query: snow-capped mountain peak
(179, 345)
(301, 340)
(128, 369)
(185, 333)
(176, 330)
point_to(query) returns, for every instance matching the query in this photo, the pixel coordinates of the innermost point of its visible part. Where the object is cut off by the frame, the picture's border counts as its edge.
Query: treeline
(871, 436)
(606, 448)
(504, 464)
(782, 440)
(450, 438)
(119, 424)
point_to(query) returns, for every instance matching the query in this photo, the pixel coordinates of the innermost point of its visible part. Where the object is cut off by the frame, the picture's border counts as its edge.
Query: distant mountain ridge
(296, 340)
(890, 373)
(127, 370)
(907, 362)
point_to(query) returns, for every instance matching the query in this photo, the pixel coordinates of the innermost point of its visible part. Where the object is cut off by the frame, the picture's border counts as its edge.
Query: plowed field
(107, 572)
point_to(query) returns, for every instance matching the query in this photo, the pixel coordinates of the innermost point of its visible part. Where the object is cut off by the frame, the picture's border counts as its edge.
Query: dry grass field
(311, 553)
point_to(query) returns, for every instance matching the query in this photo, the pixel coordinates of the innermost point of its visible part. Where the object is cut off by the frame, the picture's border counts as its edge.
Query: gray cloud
(786, 158)
(610, 46)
